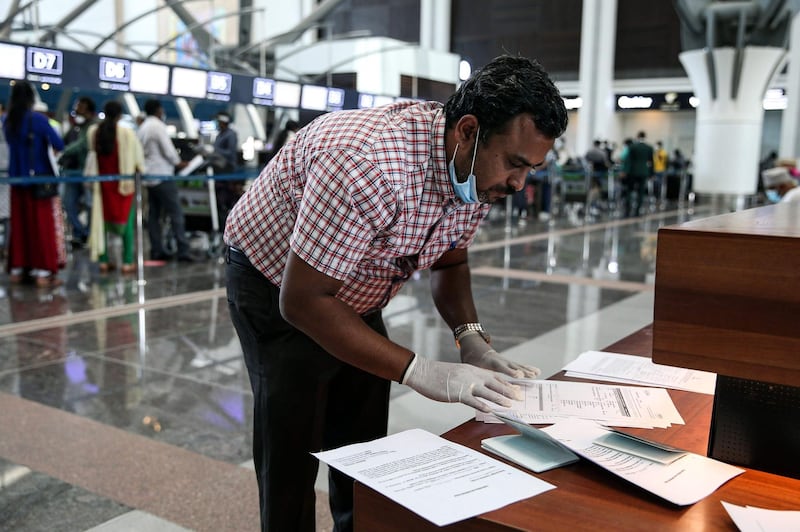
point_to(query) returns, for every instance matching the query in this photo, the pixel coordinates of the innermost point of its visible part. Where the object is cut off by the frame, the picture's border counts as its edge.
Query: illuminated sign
(114, 74)
(149, 78)
(263, 91)
(189, 82)
(287, 94)
(335, 99)
(44, 65)
(635, 102)
(219, 86)
(573, 103)
(13, 64)
(115, 70)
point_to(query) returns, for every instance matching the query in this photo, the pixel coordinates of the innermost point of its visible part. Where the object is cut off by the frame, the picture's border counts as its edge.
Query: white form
(682, 482)
(599, 365)
(549, 401)
(753, 519)
(442, 481)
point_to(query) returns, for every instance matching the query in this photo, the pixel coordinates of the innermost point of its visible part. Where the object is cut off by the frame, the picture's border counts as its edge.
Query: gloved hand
(451, 382)
(475, 351)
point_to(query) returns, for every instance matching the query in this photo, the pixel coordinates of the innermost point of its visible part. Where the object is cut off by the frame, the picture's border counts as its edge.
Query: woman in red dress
(118, 152)
(36, 243)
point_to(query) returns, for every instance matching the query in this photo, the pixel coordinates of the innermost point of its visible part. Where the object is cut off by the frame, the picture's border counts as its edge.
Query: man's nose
(518, 181)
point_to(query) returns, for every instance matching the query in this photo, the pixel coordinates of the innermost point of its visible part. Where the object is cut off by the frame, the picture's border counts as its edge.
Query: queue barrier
(210, 178)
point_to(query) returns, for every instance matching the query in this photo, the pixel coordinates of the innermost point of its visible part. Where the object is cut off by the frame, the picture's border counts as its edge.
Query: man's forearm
(451, 287)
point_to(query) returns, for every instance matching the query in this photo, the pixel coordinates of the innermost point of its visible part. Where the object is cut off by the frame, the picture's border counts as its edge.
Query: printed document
(753, 519)
(547, 401)
(630, 369)
(683, 481)
(439, 480)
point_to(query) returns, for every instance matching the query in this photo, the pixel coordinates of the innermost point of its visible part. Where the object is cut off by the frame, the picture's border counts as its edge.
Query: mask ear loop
(474, 152)
(454, 153)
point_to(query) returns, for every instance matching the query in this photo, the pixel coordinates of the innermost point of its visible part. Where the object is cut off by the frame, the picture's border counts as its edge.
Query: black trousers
(305, 400)
(163, 199)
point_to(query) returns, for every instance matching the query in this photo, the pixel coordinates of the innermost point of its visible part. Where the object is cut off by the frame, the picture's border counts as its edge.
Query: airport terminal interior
(124, 401)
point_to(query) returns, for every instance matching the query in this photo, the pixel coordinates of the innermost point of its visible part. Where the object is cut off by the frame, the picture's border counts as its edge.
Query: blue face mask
(466, 191)
(773, 196)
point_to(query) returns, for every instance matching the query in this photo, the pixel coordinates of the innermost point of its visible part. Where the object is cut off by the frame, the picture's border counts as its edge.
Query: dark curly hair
(502, 89)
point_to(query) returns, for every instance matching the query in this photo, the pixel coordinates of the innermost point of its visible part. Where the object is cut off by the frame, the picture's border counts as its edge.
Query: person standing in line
(226, 146)
(287, 133)
(637, 169)
(660, 162)
(5, 211)
(118, 152)
(72, 161)
(329, 232)
(161, 159)
(36, 240)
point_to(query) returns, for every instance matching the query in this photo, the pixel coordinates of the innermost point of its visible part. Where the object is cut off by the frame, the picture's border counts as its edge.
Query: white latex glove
(451, 382)
(475, 351)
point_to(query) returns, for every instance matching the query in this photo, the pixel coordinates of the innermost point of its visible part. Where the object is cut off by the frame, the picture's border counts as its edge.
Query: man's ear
(466, 129)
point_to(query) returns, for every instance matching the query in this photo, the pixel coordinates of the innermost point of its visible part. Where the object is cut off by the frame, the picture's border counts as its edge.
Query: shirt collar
(441, 175)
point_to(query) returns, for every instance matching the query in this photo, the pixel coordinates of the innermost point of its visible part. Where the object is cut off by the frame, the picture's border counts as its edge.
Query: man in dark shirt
(72, 162)
(226, 147)
(637, 169)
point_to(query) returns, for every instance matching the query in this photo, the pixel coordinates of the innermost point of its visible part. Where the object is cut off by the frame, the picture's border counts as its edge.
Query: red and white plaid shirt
(361, 196)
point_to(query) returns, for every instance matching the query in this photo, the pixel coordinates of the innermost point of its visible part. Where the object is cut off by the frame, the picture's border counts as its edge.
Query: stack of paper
(616, 367)
(547, 402)
(753, 519)
(678, 476)
(437, 479)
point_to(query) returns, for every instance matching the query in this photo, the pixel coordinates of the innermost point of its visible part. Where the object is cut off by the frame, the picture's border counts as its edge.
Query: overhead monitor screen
(287, 94)
(150, 78)
(314, 98)
(44, 65)
(219, 86)
(263, 91)
(13, 64)
(371, 100)
(189, 82)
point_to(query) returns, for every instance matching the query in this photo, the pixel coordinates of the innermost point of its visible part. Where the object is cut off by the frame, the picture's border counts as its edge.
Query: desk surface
(588, 497)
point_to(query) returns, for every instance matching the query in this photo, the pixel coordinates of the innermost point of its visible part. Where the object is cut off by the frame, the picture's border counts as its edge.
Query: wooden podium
(727, 300)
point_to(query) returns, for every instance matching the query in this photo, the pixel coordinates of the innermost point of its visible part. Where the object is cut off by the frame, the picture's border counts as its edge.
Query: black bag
(40, 190)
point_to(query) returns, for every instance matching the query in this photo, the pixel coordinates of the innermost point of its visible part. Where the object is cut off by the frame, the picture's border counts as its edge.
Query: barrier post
(139, 233)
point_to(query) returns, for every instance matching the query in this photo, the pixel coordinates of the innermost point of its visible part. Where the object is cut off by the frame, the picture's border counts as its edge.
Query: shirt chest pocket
(441, 241)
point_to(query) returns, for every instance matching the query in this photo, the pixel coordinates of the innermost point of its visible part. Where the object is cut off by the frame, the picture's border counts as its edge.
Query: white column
(598, 34)
(426, 23)
(434, 25)
(728, 131)
(790, 140)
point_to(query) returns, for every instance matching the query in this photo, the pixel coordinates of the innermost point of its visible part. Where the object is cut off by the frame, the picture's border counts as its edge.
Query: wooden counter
(588, 497)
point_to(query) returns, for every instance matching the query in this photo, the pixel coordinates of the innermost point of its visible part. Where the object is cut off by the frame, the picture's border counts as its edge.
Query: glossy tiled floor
(124, 404)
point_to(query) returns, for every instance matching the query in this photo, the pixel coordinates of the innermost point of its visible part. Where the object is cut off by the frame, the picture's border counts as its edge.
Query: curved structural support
(196, 25)
(169, 3)
(728, 130)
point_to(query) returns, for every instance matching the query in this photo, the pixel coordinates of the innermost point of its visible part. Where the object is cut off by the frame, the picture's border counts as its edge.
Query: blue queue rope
(233, 176)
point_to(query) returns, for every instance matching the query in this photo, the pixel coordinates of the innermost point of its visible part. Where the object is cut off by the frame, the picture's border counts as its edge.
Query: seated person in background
(779, 185)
